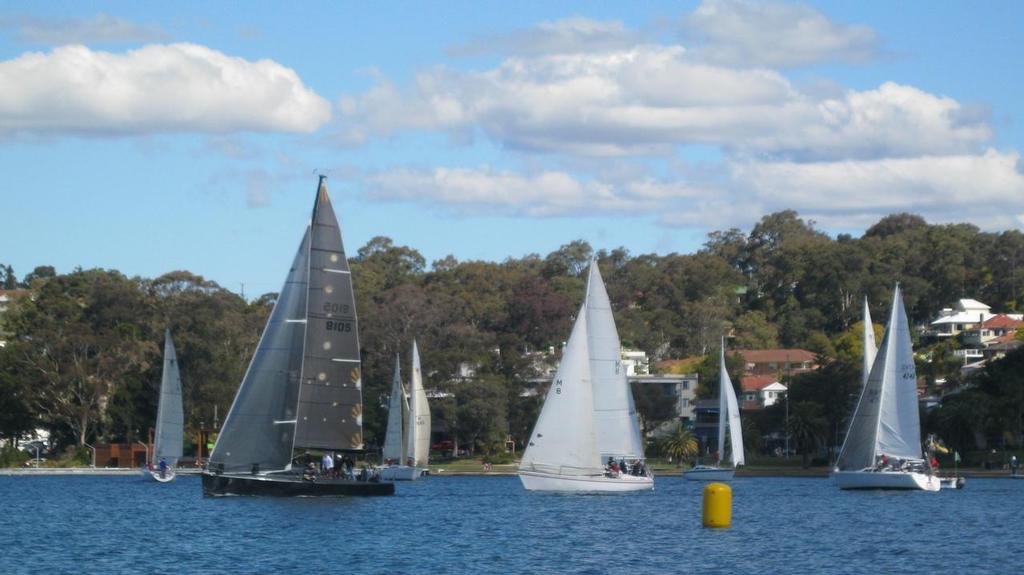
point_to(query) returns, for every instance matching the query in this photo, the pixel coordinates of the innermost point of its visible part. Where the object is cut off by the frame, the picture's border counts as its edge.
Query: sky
(152, 137)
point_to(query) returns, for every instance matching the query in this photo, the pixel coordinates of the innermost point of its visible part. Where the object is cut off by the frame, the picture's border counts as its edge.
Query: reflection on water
(490, 524)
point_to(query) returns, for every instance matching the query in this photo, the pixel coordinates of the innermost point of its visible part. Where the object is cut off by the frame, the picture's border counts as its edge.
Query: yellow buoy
(717, 510)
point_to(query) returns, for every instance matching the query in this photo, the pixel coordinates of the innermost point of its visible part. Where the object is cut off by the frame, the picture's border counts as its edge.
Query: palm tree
(681, 444)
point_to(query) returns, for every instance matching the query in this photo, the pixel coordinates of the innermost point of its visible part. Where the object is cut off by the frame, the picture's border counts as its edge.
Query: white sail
(886, 419)
(418, 446)
(170, 418)
(398, 407)
(870, 349)
(563, 440)
(618, 431)
(728, 414)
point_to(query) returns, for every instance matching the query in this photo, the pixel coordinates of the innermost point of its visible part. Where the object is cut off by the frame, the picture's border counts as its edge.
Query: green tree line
(83, 352)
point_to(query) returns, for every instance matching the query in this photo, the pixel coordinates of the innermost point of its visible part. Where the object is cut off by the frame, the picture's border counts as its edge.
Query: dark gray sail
(330, 408)
(259, 430)
(170, 418)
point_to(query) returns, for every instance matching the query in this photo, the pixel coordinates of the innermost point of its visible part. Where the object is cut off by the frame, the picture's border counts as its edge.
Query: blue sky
(148, 137)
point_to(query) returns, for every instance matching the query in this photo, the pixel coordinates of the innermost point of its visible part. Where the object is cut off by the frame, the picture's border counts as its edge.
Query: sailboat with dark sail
(170, 419)
(303, 389)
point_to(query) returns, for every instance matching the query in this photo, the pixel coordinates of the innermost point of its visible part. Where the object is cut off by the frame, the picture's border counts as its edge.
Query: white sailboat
(882, 449)
(406, 451)
(394, 439)
(728, 417)
(417, 449)
(588, 414)
(170, 419)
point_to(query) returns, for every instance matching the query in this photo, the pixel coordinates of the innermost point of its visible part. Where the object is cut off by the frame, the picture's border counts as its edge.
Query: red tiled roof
(757, 382)
(1002, 321)
(1005, 338)
(780, 356)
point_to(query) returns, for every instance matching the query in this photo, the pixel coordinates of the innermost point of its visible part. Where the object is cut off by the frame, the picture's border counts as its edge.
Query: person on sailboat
(326, 464)
(163, 467)
(309, 473)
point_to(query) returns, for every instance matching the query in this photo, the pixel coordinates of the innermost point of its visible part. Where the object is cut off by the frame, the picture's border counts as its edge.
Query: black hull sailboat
(290, 485)
(302, 391)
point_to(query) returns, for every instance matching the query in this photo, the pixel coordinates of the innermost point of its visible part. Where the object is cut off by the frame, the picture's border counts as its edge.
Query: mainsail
(418, 447)
(302, 387)
(564, 440)
(618, 431)
(330, 412)
(398, 408)
(728, 414)
(886, 419)
(170, 418)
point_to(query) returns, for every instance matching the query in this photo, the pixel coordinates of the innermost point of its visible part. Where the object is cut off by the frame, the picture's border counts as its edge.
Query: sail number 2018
(342, 326)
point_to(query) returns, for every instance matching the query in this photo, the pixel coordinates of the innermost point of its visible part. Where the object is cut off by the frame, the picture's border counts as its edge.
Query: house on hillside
(777, 362)
(967, 314)
(760, 391)
(994, 328)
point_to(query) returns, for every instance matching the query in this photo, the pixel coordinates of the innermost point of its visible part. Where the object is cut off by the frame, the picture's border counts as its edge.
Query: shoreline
(816, 473)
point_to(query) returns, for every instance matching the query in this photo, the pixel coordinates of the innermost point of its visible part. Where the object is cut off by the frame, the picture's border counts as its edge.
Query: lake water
(491, 525)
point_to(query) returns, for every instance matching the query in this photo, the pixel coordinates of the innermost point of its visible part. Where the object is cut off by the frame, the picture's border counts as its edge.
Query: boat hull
(907, 480)
(709, 473)
(536, 481)
(952, 482)
(155, 475)
(282, 485)
(401, 473)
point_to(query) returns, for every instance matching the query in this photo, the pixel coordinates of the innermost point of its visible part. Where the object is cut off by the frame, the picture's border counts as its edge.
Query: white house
(967, 314)
(762, 390)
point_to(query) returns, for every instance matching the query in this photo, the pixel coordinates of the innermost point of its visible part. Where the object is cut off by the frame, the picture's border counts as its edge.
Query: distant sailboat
(588, 414)
(418, 447)
(303, 388)
(728, 417)
(882, 449)
(170, 418)
(407, 441)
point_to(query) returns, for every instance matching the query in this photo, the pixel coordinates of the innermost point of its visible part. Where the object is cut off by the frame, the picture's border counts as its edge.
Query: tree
(807, 428)
(681, 444)
(754, 332)
(653, 404)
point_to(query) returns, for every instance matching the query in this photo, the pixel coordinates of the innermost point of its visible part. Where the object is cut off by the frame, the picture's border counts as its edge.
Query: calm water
(490, 525)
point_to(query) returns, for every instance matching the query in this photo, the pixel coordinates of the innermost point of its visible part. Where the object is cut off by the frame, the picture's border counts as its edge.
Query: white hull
(885, 480)
(535, 481)
(709, 473)
(154, 475)
(401, 473)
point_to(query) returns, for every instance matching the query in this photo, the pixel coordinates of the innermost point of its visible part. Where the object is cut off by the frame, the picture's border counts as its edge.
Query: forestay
(260, 426)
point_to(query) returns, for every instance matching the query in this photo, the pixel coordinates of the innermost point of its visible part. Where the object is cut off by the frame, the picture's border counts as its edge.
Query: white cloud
(567, 36)
(987, 189)
(544, 194)
(157, 88)
(775, 34)
(98, 29)
(650, 99)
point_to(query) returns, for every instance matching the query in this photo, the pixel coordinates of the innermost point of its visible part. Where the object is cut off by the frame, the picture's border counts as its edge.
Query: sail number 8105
(341, 326)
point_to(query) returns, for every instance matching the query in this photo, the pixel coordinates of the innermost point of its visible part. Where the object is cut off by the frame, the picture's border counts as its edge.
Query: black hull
(290, 486)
